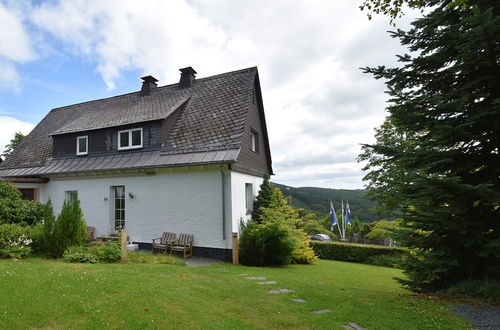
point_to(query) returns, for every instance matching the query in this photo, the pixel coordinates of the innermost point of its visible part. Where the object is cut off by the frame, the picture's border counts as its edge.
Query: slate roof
(208, 130)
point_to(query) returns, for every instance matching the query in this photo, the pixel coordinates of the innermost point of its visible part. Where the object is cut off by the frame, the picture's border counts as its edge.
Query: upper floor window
(254, 141)
(82, 145)
(130, 139)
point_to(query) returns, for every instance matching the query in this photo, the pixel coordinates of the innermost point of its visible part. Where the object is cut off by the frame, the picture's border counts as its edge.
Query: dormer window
(130, 139)
(82, 145)
(254, 141)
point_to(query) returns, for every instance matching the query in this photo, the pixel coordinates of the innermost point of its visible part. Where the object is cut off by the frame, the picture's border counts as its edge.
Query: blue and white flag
(333, 216)
(348, 215)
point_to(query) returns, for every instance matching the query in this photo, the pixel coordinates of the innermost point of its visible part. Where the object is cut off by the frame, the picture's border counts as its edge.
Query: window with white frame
(71, 195)
(82, 145)
(130, 139)
(249, 197)
(254, 141)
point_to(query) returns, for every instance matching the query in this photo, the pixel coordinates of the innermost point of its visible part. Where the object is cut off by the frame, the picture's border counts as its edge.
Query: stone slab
(268, 282)
(321, 311)
(260, 278)
(301, 301)
(281, 291)
(352, 326)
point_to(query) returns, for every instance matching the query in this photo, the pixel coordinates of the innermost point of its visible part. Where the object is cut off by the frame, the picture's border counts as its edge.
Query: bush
(69, 229)
(108, 252)
(486, 290)
(14, 241)
(266, 244)
(302, 252)
(13, 209)
(137, 257)
(79, 254)
(366, 254)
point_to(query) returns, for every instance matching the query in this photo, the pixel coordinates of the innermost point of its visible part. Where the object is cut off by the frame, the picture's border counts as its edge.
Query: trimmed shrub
(69, 229)
(15, 241)
(266, 244)
(361, 253)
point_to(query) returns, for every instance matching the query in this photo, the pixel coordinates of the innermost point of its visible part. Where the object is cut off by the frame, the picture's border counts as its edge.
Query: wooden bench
(183, 245)
(163, 243)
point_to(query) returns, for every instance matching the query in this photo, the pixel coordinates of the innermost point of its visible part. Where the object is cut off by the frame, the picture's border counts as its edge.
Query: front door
(119, 207)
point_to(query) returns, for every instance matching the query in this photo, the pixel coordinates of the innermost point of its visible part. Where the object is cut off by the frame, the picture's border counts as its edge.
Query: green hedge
(361, 253)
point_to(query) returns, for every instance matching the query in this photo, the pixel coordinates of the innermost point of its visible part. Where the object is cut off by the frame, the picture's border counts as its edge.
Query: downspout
(223, 201)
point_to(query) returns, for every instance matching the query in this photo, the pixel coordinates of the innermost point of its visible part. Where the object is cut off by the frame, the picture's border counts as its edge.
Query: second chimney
(187, 77)
(148, 84)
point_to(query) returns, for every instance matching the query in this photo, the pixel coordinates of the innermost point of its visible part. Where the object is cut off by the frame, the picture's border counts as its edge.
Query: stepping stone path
(349, 326)
(281, 291)
(352, 326)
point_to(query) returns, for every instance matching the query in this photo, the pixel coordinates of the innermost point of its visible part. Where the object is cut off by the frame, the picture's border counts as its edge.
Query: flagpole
(343, 226)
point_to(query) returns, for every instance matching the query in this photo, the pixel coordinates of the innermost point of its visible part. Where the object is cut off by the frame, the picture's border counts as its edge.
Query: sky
(319, 105)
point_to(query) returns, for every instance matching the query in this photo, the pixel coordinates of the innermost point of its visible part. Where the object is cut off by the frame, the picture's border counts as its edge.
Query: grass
(37, 293)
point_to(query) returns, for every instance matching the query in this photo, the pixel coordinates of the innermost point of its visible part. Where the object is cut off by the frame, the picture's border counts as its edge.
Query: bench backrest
(167, 237)
(185, 239)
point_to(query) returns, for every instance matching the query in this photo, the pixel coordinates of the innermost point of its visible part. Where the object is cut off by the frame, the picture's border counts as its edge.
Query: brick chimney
(187, 77)
(148, 84)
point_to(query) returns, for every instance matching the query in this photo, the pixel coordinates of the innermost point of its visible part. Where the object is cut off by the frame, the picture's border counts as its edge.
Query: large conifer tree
(436, 161)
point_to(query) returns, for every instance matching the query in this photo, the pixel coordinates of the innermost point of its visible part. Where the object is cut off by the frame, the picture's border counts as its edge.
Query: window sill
(129, 148)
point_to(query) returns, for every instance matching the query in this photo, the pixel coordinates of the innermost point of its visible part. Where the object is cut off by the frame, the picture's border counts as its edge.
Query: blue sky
(319, 105)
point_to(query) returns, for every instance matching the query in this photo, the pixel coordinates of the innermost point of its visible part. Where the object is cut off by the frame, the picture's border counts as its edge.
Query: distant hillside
(318, 200)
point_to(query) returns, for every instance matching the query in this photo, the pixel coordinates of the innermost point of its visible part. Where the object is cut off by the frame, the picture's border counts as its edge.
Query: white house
(187, 158)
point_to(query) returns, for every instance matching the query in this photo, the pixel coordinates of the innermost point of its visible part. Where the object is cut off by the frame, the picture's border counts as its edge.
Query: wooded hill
(317, 200)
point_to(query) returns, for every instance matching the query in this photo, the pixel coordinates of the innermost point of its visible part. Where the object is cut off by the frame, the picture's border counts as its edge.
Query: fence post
(235, 249)
(123, 244)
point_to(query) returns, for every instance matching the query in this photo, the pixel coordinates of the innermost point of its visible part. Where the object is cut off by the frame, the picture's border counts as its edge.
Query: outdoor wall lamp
(131, 195)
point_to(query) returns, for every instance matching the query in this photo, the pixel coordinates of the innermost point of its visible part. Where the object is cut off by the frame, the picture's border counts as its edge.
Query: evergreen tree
(436, 162)
(70, 228)
(18, 138)
(264, 199)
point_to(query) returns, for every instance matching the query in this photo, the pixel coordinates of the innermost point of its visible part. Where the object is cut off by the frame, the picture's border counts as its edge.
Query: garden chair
(184, 245)
(163, 243)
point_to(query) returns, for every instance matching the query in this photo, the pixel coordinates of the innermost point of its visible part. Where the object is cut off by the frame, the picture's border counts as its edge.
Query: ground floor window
(249, 197)
(71, 195)
(119, 206)
(28, 193)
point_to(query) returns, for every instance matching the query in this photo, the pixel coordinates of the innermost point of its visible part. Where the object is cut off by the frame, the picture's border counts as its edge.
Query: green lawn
(37, 293)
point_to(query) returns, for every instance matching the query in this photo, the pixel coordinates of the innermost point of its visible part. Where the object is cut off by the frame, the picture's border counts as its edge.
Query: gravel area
(482, 316)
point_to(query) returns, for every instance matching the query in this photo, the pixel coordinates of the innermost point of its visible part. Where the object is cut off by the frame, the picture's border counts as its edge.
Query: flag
(333, 216)
(348, 215)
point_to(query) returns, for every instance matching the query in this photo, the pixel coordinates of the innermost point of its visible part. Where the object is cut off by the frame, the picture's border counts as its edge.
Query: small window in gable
(130, 139)
(254, 141)
(82, 145)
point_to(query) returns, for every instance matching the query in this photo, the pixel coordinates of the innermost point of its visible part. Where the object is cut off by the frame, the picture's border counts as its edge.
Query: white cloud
(9, 126)
(15, 47)
(319, 105)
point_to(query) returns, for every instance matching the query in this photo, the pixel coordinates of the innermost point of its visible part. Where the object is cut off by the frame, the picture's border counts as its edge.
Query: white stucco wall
(185, 200)
(238, 199)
